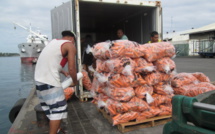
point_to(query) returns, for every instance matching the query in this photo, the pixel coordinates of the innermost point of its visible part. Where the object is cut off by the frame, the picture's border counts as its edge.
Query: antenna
(30, 28)
(171, 23)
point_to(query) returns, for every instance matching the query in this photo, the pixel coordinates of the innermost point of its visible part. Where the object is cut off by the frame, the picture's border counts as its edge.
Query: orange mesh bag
(138, 80)
(163, 89)
(201, 77)
(119, 81)
(102, 78)
(156, 51)
(165, 65)
(102, 100)
(141, 91)
(135, 104)
(101, 50)
(157, 77)
(123, 118)
(165, 110)
(86, 80)
(68, 92)
(138, 104)
(152, 112)
(125, 48)
(96, 87)
(111, 107)
(166, 78)
(120, 94)
(152, 78)
(101, 66)
(182, 79)
(161, 99)
(122, 65)
(194, 89)
(143, 66)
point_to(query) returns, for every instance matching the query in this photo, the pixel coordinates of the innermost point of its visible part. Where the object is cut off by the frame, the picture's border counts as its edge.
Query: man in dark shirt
(87, 59)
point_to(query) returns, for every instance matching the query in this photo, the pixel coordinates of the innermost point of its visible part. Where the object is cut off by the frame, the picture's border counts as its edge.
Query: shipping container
(102, 18)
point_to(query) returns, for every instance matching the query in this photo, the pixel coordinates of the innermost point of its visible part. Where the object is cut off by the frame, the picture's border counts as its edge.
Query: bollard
(42, 119)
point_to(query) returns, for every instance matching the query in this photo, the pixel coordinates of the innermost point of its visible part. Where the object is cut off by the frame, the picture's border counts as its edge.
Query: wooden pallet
(134, 125)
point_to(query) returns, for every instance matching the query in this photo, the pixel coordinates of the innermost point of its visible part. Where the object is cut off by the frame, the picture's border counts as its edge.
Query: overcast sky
(178, 15)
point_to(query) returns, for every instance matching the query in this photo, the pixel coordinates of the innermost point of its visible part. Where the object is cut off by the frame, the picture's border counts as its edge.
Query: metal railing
(207, 46)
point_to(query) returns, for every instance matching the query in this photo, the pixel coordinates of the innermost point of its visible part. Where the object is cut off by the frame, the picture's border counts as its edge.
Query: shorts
(52, 101)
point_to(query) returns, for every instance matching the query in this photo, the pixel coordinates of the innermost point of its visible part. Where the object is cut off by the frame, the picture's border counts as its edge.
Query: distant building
(193, 42)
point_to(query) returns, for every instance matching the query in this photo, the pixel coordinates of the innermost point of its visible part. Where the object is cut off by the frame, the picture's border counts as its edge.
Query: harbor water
(16, 82)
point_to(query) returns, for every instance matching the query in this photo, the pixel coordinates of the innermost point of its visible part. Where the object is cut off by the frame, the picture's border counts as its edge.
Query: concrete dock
(84, 117)
(196, 64)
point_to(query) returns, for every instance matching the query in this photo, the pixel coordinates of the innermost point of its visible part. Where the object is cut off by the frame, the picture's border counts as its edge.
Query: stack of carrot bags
(137, 82)
(191, 84)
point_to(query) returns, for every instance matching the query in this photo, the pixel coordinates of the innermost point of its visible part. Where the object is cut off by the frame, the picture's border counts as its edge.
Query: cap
(68, 33)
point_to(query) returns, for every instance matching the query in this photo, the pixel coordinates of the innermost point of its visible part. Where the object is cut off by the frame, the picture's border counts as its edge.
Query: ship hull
(28, 59)
(29, 52)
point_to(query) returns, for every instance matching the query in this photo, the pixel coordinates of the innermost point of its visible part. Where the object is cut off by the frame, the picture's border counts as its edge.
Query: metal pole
(204, 106)
(78, 38)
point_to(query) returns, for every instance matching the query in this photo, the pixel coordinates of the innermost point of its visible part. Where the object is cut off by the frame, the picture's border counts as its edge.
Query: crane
(42, 38)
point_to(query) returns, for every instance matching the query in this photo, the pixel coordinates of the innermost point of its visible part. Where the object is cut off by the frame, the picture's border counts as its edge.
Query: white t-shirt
(50, 63)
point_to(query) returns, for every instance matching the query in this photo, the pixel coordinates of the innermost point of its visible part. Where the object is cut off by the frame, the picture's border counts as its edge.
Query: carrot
(102, 50)
(119, 81)
(161, 99)
(120, 94)
(194, 89)
(165, 110)
(122, 118)
(142, 66)
(141, 91)
(86, 80)
(165, 65)
(123, 48)
(201, 77)
(153, 78)
(155, 51)
(163, 89)
(68, 92)
(183, 79)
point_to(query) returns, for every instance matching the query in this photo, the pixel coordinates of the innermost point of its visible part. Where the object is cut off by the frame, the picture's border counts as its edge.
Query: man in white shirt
(47, 77)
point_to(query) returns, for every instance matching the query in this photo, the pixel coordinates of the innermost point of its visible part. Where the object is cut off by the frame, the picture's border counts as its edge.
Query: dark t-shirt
(87, 59)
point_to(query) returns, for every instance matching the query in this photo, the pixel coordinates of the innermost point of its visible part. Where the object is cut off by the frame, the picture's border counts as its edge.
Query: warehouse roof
(207, 28)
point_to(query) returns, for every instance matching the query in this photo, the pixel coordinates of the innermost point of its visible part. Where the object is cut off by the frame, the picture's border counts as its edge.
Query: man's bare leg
(54, 125)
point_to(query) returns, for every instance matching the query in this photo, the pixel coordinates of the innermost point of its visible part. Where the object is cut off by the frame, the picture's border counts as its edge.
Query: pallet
(85, 96)
(134, 125)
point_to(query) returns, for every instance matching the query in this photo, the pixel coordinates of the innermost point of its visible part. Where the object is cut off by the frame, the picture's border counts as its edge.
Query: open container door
(79, 92)
(66, 17)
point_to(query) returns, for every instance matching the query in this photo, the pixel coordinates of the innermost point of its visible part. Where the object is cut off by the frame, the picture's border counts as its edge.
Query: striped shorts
(52, 101)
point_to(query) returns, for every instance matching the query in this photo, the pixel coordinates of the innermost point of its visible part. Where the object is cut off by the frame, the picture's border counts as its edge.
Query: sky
(178, 15)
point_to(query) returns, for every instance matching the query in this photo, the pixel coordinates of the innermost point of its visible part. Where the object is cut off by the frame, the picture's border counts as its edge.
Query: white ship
(30, 51)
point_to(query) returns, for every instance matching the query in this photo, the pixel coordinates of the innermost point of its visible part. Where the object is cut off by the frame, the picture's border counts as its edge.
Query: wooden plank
(134, 125)
(148, 120)
(128, 128)
(106, 116)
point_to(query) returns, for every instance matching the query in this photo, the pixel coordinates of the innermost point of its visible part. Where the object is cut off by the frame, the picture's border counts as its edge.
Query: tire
(15, 109)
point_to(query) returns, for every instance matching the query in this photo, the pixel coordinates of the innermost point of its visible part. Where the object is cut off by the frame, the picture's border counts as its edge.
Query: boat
(30, 51)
